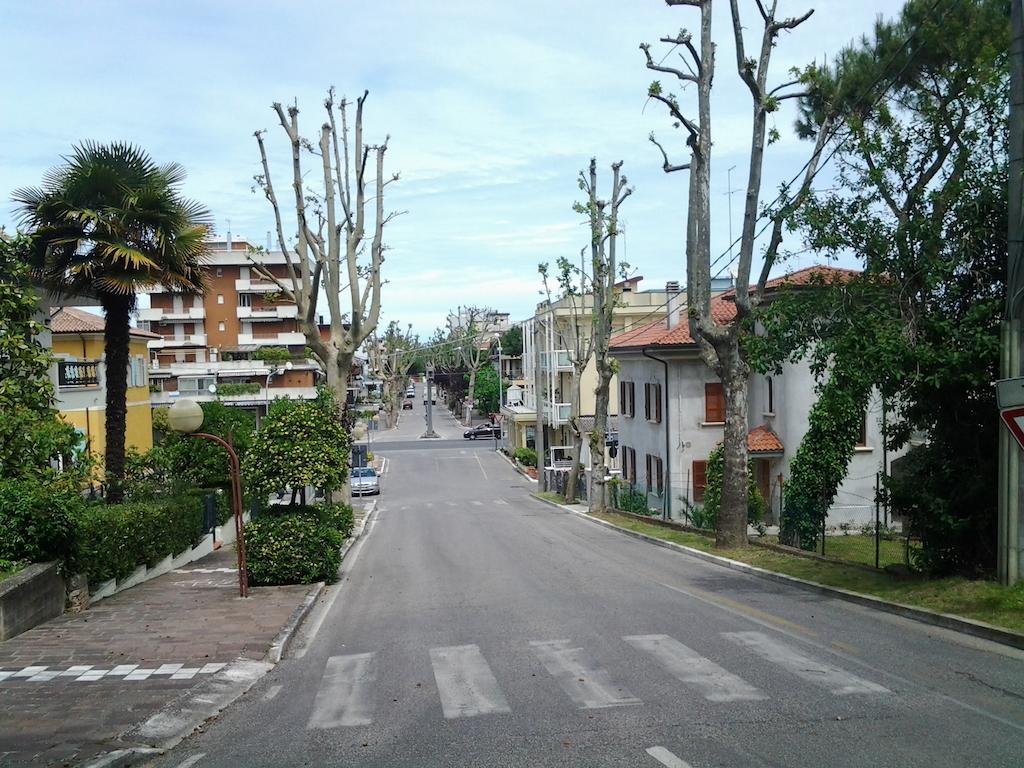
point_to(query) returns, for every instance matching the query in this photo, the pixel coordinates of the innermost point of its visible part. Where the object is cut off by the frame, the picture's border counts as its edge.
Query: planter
(31, 596)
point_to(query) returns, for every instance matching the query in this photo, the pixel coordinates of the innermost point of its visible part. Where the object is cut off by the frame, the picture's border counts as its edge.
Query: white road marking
(686, 665)
(45, 676)
(344, 697)
(96, 674)
(465, 682)
(185, 673)
(481, 465)
(190, 761)
(666, 758)
(502, 502)
(587, 684)
(838, 681)
(477, 503)
(168, 669)
(138, 674)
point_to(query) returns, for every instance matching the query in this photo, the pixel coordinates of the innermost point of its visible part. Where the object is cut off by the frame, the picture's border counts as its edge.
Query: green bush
(525, 456)
(292, 549)
(629, 499)
(238, 388)
(337, 516)
(112, 541)
(36, 520)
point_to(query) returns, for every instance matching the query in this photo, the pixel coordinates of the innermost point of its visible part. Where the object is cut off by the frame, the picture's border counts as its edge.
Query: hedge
(112, 541)
(36, 520)
(525, 456)
(292, 549)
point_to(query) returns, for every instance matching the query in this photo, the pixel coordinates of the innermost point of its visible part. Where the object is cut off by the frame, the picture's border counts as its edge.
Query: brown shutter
(657, 403)
(622, 398)
(647, 401)
(714, 403)
(632, 399)
(700, 479)
(648, 477)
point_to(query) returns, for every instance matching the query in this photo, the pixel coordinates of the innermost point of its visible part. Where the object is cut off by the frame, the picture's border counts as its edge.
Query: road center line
(480, 464)
(666, 758)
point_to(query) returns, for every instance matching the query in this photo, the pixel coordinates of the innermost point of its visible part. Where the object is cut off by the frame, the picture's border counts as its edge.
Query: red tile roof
(723, 310)
(74, 320)
(763, 440)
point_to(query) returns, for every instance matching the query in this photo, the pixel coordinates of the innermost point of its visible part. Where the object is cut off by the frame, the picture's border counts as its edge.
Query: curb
(925, 616)
(284, 638)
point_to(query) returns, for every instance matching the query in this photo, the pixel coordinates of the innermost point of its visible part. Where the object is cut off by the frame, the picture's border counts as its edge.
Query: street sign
(1014, 420)
(1010, 393)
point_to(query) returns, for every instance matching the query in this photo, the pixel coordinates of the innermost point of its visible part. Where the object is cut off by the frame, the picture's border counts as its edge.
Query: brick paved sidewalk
(71, 685)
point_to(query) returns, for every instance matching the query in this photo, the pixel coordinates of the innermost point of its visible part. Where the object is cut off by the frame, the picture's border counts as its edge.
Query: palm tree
(109, 222)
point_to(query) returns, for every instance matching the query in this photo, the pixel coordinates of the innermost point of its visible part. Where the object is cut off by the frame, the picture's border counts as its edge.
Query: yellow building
(80, 380)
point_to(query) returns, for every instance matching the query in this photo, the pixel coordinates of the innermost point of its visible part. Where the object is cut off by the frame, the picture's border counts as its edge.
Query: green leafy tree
(921, 200)
(488, 390)
(32, 436)
(756, 506)
(111, 222)
(301, 442)
(202, 463)
(512, 341)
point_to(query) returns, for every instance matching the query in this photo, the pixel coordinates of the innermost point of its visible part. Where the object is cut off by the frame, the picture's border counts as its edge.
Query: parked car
(433, 400)
(365, 481)
(407, 405)
(489, 431)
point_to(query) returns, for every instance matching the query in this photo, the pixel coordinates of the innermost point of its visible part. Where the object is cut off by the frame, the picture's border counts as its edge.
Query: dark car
(488, 431)
(407, 405)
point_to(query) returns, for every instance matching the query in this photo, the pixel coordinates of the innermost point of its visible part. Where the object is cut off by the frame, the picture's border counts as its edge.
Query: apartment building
(240, 342)
(673, 417)
(546, 339)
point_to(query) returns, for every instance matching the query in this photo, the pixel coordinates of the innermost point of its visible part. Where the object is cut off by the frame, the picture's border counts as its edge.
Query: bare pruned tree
(721, 343)
(338, 250)
(585, 331)
(393, 353)
(471, 336)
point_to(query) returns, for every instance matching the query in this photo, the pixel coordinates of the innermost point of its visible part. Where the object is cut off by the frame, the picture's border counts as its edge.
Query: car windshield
(364, 472)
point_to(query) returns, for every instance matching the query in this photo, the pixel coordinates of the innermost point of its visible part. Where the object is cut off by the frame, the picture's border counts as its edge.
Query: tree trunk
(471, 397)
(117, 337)
(731, 530)
(598, 437)
(338, 367)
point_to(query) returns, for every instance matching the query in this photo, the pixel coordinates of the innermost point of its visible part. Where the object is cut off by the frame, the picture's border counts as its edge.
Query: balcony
(282, 312)
(557, 413)
(186, 341)
(559, 358)
(256, 286)
(78, 374)
(272, 339)
(155, 315)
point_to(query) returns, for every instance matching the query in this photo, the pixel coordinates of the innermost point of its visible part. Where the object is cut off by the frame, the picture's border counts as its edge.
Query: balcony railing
(558, 358)
(558, 413)
(78, 374)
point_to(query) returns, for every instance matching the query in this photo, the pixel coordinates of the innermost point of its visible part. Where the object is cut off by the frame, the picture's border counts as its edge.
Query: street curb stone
(517, 468)
(935, 618)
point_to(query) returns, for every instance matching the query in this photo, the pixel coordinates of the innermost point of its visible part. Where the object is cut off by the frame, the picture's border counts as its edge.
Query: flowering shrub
(292, 549)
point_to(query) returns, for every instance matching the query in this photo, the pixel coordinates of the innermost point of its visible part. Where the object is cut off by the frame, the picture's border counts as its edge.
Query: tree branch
(666, 165)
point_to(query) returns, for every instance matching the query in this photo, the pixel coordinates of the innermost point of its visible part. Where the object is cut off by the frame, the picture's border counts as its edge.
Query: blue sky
(492, 109)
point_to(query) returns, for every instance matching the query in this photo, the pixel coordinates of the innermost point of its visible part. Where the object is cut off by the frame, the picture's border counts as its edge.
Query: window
(245, 299)
(714, 404)
(862, 436)
(196, 384)
(220, 271)
(655, 475)
(627, 401)
(220, 326)
(629, 465)
(652, 402)
(220, 298)
(771, 395)
(700, 479)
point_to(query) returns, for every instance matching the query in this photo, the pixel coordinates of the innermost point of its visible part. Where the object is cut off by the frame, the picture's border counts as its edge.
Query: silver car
(365, 481)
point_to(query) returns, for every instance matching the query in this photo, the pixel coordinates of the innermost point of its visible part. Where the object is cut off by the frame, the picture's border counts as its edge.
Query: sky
(492, 109)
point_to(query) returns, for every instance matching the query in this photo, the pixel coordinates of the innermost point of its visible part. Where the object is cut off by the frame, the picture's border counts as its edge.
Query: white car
(365, 481)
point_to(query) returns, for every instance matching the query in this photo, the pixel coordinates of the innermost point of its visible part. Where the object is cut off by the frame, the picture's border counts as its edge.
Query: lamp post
(430, 402)
(186, 416)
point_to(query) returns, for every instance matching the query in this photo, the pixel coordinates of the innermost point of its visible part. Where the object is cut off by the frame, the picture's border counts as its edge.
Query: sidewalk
(69, 687)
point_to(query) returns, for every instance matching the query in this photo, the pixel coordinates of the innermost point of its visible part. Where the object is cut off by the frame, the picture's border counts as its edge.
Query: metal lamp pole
(186, 416)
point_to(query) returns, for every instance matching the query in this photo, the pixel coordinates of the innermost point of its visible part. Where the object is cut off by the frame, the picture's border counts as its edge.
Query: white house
(672, 415)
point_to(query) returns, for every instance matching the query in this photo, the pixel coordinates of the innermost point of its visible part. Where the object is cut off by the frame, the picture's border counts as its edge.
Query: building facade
(673, 416)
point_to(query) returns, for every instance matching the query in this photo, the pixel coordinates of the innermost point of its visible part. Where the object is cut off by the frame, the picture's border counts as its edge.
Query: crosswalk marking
(465, 682)
(344, 697)
(686, 665)
(502, 502)
(586, 683)
(477, 503)
(666, 758)
(838, 681)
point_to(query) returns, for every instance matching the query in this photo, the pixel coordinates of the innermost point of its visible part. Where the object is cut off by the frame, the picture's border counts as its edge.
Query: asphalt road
(476, 626)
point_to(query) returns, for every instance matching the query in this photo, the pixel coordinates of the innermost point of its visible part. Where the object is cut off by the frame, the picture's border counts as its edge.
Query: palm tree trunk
(116, 350)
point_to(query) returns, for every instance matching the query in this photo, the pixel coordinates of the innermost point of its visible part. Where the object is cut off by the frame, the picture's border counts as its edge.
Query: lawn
(980, 600)
(855, 548)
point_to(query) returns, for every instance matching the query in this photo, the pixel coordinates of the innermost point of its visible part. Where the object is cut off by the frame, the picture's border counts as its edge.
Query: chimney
(673, 304)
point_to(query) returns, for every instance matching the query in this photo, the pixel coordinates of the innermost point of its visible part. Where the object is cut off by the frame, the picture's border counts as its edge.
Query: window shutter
(714, 403)
(648, 477)
(661, 476)
(700, 479)
(632, 400)
(647, 401)
(657, 403)
(622, 398)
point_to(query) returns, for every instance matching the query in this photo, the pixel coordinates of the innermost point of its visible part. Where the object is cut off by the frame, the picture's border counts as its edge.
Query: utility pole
(430, 402)
(1009, 562)
(538, 429)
